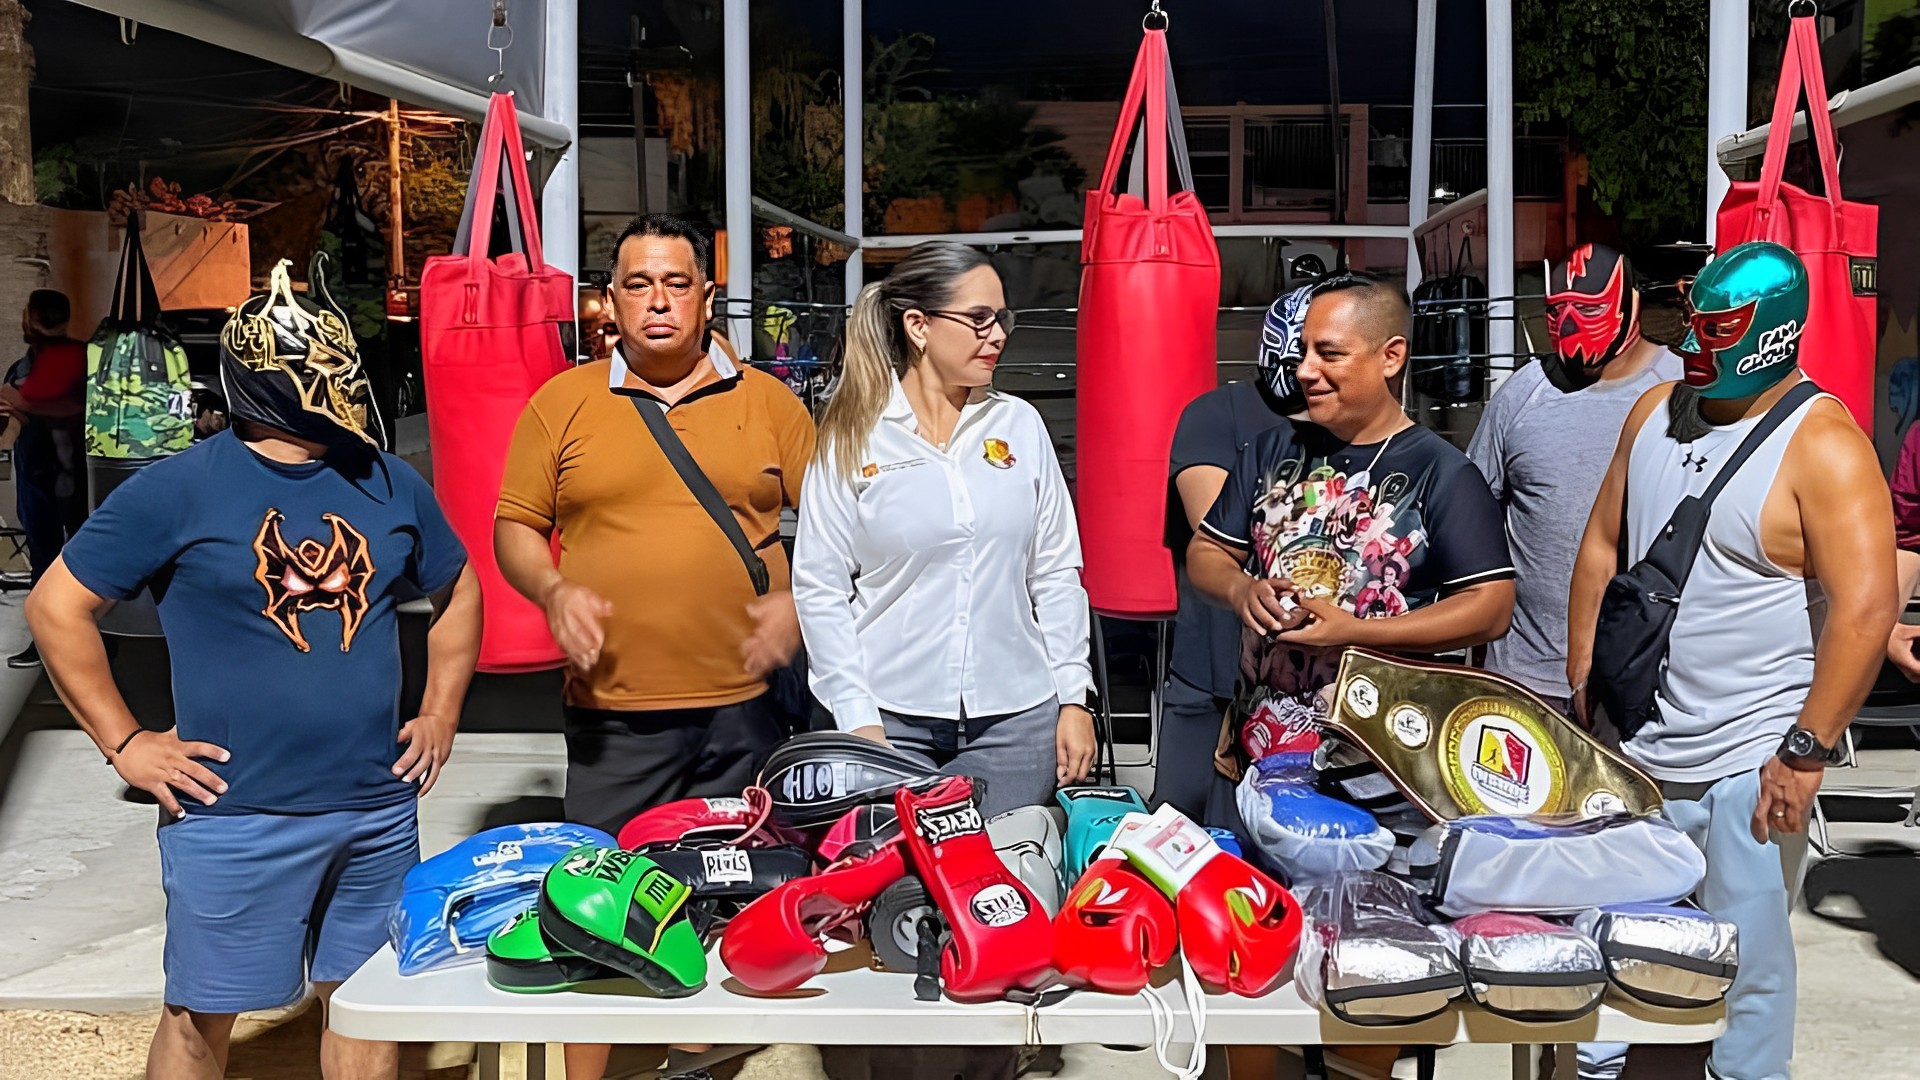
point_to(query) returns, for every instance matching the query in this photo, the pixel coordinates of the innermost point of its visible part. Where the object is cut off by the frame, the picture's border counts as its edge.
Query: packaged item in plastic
(450, 903)
(1669, 956)
(1370, 957)
(1306, 835)
(1526, 968)
(1554, 866)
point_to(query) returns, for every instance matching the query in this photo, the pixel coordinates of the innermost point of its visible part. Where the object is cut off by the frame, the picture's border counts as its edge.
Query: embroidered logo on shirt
(998, 454)
(312, 576)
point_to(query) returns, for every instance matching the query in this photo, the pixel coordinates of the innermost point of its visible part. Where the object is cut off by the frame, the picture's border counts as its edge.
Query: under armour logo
(1699, 463)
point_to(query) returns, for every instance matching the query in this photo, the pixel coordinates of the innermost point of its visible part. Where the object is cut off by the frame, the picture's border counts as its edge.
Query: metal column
(1420, 163)
(1726, 91)
(737, 72)
(1500, 326)
(853, 109)
(560, 198)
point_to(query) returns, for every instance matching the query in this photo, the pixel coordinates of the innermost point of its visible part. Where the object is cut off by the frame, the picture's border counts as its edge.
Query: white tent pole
(560, 198)
(1500, 182)
(1726, 91)
(853, 107)
(1420, 164)
(737, 72)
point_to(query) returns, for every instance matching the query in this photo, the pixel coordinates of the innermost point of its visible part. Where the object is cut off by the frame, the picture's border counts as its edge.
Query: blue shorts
(258, 904)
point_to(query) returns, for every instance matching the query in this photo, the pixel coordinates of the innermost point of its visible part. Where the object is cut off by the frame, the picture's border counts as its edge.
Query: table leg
(512, 1061)
(1545, 1062)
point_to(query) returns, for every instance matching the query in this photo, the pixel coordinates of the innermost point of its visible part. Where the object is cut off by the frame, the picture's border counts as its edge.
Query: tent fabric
(413, 51)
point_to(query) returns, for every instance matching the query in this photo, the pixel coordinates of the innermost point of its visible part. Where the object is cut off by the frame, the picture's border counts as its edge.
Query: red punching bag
(1837, 239)
(488, 340)
(1149, 291)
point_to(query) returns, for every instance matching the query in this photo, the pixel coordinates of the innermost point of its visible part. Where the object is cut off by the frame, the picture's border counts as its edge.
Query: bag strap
(1819, 111)
(499, 168)
(1806, 391)
(1800, 68)
(1695, 509)
(136, 300)
(1150, 107)
(655, 415)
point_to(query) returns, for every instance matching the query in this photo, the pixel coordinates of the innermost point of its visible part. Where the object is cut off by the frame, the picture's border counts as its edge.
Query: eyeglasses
(980, 320)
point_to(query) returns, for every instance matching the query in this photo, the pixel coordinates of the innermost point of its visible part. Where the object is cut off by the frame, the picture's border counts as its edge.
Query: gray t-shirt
(1544, 454)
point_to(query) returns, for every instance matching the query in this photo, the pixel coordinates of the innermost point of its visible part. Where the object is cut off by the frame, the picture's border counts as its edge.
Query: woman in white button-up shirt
(937, 566)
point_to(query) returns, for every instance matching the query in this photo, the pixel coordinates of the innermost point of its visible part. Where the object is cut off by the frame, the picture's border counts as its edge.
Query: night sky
(1224, 51)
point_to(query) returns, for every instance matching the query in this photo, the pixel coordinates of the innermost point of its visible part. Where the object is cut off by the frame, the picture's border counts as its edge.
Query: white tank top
(1740, 658)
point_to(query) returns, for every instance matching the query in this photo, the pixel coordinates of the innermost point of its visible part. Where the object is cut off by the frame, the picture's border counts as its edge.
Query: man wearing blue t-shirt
(279, 552)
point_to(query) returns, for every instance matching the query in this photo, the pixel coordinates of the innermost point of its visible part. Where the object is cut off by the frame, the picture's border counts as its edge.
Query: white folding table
(852, 1005)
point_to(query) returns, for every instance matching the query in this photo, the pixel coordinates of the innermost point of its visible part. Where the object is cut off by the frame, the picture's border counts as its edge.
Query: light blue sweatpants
(1751, 885)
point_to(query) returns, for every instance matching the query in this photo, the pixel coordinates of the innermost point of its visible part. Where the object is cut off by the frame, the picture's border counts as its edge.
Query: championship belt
(1460, 741)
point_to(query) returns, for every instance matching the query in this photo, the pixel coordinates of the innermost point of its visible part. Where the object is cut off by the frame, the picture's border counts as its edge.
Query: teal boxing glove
(1093, 812)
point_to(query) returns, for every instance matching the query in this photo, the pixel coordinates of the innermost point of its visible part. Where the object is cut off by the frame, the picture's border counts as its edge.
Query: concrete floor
(81, 908)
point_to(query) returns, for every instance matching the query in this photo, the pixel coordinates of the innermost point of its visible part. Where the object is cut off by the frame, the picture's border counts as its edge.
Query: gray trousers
(1013, 752)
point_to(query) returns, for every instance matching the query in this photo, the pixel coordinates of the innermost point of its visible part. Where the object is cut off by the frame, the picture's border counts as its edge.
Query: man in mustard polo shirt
(668, 647)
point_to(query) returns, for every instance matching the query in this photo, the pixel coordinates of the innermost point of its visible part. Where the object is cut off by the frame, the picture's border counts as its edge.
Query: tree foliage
(917, 143)
(1629, 82)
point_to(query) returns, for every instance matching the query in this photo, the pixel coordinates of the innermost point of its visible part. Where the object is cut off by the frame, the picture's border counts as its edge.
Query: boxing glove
(1092, 814)
(1238, 928)
(1028, 840)
(816, 776)
(1001, 940)
(871, 824)
(733, 874)
(690, 821)
(1113, 930)
(777, 942)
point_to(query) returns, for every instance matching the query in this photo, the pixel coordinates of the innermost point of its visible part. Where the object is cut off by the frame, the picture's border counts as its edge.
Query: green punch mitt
(522, 959)
(621, 910)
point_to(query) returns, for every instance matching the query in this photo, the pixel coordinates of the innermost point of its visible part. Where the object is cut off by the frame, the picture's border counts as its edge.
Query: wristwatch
(1801, 749)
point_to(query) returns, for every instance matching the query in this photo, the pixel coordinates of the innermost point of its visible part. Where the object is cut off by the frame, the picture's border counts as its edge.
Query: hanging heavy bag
(1641, 604)
(1450, 334)
(1149, 288)
(139, 403)
(1836, 239)
(138, 390)
(488, 340)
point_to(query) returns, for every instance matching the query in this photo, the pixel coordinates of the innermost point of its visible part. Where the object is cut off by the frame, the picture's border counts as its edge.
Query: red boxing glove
(689, 821)
(1002, 939)
(776, 942)
(1113, 930)
(871, 824)
(1238, 928)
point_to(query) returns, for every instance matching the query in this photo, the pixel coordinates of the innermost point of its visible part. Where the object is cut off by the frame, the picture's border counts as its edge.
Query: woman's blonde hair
(877, 348)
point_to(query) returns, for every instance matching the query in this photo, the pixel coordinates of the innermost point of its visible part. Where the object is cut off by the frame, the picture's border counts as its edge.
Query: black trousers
(50, 491)
(622, 762)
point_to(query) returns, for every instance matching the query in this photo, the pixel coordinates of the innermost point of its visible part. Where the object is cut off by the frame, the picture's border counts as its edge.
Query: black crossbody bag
(1638, 610)
(788, 685)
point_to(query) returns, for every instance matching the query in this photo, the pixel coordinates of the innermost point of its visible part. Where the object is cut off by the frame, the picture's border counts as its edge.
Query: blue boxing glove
(450, 903)
(1306, 835)
(1228, 842)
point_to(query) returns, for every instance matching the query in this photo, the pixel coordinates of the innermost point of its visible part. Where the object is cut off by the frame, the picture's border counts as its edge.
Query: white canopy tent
(421, 54)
